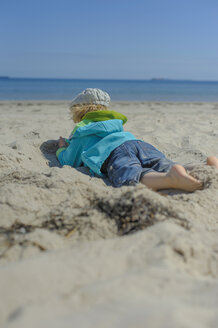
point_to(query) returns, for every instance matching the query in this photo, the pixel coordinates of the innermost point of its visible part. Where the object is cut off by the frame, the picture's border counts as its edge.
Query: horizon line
(154, 79)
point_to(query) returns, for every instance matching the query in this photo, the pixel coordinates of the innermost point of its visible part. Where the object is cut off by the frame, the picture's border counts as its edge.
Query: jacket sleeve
(70, 155)
(59, 154)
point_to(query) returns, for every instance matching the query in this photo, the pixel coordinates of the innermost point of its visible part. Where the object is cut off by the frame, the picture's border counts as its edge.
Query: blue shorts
(127, 163)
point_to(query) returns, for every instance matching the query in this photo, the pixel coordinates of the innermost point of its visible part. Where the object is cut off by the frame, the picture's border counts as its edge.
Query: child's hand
(61, 142)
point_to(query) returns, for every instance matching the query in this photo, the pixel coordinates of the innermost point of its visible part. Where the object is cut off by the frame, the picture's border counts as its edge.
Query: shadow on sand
(48, 149)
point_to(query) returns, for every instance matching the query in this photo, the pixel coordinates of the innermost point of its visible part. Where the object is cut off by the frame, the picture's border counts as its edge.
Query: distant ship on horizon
(4, 77)
(157, 79)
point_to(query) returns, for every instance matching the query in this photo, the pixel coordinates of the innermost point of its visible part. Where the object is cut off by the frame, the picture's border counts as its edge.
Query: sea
(119, 90)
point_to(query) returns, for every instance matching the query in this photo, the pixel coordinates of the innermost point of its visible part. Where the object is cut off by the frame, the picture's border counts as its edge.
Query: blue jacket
(90, 145)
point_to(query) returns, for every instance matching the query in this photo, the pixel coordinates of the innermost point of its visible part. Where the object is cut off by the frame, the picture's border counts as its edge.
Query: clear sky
(126, 39)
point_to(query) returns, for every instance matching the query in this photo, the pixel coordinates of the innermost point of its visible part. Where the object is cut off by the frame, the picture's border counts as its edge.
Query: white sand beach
(76, 252)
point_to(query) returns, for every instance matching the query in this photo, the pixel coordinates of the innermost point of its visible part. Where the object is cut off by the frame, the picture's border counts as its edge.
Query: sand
(76, 252)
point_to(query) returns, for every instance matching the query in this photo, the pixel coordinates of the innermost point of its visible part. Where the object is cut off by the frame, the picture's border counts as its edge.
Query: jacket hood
(101, 129)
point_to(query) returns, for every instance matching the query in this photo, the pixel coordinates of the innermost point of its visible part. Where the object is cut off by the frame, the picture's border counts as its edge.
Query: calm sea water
(125, 90)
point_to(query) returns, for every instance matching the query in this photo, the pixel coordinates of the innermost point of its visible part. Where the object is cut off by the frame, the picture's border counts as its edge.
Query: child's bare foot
(212, 161)
(180, 179)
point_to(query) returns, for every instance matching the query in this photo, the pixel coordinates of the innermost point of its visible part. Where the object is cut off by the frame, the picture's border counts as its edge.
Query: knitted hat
(92, 96)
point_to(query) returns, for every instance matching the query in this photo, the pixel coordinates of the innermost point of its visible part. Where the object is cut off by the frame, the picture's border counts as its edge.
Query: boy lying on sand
(99, 142)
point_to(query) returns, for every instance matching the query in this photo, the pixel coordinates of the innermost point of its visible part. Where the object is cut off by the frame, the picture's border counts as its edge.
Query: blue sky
(126, 39)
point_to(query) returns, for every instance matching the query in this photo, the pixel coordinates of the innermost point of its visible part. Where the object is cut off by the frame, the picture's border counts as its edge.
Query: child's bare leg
(176, 178)
(212, 161)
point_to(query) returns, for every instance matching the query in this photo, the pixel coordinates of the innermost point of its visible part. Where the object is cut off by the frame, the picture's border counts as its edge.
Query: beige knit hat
(92, 96)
